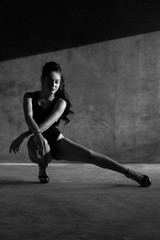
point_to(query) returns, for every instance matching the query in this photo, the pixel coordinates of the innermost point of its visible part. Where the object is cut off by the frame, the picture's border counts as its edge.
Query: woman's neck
(47, 96)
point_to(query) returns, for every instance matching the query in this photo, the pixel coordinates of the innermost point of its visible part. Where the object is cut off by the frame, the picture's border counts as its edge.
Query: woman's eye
(50, 81)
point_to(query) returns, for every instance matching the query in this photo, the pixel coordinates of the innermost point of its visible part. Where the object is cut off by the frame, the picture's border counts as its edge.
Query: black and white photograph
(79, 119)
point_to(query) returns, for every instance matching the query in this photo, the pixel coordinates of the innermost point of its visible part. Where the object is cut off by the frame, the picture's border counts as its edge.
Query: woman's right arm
(33, 126)
(28, 112)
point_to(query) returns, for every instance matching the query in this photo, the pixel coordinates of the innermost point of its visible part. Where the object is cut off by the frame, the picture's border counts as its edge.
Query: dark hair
(61, 93)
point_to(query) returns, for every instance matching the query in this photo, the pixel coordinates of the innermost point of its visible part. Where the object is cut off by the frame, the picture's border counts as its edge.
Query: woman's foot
(143, 180)
(43, 177)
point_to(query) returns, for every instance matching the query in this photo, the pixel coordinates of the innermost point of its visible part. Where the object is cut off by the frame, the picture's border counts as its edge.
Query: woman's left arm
(55, 114)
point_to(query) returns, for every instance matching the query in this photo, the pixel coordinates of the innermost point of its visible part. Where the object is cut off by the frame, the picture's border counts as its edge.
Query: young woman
(43, 111)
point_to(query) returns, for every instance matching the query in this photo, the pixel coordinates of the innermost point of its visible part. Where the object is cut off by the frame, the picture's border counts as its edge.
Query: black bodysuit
(39, 115)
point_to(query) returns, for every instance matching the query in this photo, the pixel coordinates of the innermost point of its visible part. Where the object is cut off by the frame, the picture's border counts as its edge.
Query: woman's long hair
(61, 93)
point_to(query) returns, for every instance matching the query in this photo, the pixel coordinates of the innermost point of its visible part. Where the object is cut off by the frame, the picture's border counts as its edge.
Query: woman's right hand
(40, 141)
(41, 144)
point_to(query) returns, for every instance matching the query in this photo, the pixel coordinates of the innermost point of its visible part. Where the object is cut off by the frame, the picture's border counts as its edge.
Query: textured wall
(114, 87)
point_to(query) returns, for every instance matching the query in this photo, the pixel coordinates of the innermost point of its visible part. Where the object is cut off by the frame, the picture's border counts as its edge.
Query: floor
(81, 202)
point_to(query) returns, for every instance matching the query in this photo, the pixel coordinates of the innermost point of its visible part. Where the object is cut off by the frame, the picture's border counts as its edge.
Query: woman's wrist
(38, 132)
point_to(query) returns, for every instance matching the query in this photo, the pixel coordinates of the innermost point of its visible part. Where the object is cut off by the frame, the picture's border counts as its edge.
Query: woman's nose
(52, 84)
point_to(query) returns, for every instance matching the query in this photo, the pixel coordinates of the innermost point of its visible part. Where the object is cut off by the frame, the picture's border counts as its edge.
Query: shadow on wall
(40, 26)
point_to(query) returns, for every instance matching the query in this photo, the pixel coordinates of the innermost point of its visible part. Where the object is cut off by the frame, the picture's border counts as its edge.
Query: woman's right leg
(40, 158)
(70, 151)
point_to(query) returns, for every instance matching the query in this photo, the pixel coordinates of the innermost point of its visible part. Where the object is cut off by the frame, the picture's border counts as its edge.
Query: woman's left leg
(70, 151)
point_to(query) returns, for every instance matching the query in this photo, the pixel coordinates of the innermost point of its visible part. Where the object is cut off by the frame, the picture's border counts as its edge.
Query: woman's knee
(39, 156)
(32, 149)
(31, 143)
(32, 158)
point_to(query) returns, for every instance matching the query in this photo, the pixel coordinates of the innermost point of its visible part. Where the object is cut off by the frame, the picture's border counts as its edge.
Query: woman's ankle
(42, 169)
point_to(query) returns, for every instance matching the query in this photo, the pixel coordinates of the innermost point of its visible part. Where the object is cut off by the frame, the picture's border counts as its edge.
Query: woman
(43, 111)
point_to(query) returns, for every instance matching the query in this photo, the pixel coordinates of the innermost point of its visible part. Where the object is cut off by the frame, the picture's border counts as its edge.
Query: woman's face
(52, 82)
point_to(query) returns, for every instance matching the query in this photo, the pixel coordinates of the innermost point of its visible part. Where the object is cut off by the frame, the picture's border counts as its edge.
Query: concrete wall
(114, 87)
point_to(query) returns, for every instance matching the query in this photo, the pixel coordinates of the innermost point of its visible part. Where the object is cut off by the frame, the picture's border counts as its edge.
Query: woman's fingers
(10, 148)
(14, 147)
(39, 145)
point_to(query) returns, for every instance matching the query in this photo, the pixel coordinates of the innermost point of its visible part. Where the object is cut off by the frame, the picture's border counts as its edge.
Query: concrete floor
(81, 202)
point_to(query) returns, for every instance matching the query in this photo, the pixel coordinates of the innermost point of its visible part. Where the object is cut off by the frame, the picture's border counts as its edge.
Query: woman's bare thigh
(70, 151)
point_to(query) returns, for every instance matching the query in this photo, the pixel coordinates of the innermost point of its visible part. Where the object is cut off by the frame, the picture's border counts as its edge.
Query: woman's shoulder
(61, 101)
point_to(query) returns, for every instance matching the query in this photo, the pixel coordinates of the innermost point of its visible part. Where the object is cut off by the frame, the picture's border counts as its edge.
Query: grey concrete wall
(114, 87)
